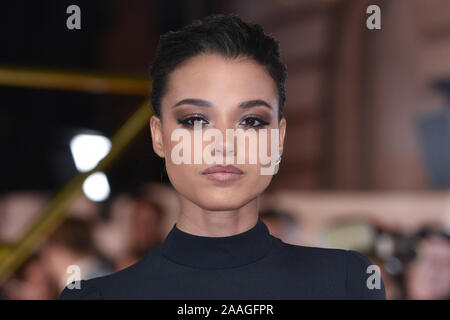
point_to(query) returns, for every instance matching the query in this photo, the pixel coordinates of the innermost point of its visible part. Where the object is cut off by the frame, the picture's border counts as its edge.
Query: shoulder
(114, 285)
(313, 257)
(363, 278)
(349, 270)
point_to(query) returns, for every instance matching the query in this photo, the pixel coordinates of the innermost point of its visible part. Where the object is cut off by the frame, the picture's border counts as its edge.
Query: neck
(211, 223)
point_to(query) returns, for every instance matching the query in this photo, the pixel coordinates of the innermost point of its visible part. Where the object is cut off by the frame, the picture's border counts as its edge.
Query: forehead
(226, 81)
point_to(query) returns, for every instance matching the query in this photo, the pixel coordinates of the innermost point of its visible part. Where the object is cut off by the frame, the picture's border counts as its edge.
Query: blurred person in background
(71, 244)
(18, 211)
(393, 289)
(146, 222)
(112, 235)
(427, 276)
(31, 282)
(145, 231)
(132, 227)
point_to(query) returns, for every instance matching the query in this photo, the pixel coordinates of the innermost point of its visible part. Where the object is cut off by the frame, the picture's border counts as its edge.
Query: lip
(223, 173)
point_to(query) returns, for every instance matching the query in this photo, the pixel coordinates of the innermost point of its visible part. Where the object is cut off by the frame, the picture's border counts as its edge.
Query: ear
(282, 133)
(157, 137)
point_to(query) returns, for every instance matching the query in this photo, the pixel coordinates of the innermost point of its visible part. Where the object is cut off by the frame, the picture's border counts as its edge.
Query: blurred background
(367, 156)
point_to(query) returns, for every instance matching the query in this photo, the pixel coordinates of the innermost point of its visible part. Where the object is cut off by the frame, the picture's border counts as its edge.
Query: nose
(223, 148)
(227, 145)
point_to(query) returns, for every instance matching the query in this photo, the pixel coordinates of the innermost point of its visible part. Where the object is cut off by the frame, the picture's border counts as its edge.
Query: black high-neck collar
(217, 252)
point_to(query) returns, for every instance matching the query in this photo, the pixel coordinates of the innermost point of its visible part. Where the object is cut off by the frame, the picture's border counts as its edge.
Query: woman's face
(218, 93)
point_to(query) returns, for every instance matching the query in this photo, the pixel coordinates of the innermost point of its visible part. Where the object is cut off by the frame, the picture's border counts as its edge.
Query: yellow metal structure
(68, 80)
(11, 257)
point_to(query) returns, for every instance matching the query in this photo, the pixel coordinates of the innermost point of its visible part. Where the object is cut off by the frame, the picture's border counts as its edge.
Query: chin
(216, 201)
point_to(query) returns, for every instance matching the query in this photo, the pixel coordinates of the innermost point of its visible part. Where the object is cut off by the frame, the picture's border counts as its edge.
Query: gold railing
(12, 256)
(73, 80)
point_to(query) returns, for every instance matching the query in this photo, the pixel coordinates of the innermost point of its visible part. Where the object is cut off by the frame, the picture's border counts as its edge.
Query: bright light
(96, 187)
(88, 150)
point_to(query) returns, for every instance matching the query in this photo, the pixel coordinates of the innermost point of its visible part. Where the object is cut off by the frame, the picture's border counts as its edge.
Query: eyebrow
(254, 103)
(205, 103)
(195, 102)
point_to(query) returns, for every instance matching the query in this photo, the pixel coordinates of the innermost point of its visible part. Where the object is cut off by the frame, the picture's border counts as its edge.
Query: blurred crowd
(104, 238)
(97, 238)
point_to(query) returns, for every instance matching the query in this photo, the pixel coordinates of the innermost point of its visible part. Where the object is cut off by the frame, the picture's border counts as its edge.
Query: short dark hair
(226, 35)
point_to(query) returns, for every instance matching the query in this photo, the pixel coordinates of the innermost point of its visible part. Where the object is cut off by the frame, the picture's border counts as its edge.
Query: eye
(189, 121)
(253, 122)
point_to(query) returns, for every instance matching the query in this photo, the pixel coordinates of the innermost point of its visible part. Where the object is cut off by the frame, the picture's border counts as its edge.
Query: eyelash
(261, 124)
(189, 121)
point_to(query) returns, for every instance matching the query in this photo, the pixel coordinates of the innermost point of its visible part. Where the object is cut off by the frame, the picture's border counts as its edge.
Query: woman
(223, 74)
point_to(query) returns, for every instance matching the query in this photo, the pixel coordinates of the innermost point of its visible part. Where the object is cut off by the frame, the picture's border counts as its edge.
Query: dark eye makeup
(253, 122)
(190, 120)
(249, 122)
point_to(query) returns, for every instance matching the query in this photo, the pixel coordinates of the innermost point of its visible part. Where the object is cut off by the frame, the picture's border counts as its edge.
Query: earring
(278, 161)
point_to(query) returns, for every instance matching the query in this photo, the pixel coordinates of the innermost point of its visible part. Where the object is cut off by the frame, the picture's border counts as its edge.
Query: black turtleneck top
(250, 265)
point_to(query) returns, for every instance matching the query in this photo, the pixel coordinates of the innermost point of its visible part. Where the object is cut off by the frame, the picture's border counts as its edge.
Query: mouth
(223, 173)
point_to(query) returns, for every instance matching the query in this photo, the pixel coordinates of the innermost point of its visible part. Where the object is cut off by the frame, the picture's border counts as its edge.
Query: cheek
(178, 173)
(260, 148)
(272, 140)
(182, 145)
(256, 181)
